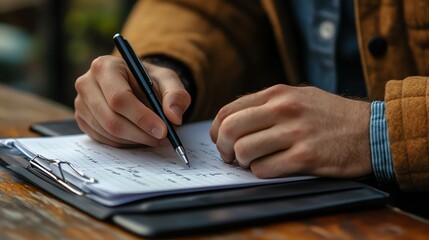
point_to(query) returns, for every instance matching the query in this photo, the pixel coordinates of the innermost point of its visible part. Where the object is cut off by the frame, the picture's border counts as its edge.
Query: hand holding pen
(146, 84)
(109, 107)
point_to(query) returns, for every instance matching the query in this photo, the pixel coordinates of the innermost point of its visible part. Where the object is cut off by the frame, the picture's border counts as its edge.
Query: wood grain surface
(29, 213)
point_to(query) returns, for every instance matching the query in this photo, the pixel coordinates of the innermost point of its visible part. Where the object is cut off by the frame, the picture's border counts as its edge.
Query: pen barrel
(145, 82)
(134, 64)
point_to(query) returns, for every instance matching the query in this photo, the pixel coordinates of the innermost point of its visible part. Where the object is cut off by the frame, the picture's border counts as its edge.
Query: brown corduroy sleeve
(407, 109)
(217, 40)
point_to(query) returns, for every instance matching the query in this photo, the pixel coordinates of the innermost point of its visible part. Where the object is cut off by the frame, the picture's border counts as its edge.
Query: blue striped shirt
(380, 147)
(331, 62)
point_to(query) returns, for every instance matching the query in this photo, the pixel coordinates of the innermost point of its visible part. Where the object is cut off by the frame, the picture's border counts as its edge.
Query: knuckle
(78, 118)
(227, 128)
(227, 157)
(142, 119)
(77, 103)
(260, 171)
(112, 126)
(213, 134)
(224, 112)
(242, 152)
(79, 106)
(303, 157)
(311, 89)
(81, 123)
(99, 64)
(80, 84)
(279, 108)
(117, 100)
(276, 89)
(292, 133)
(288, 105)
(305, 153)
(179, 95)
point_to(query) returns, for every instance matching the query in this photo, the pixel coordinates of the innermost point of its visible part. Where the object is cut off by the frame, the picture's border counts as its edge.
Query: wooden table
(29, 213)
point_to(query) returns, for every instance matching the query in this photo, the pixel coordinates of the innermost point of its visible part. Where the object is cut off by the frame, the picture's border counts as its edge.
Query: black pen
(145, 83)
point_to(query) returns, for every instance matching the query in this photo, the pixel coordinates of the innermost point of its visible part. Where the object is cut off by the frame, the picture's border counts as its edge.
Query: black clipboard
(192, 213)
(200, 212)
(56, 128)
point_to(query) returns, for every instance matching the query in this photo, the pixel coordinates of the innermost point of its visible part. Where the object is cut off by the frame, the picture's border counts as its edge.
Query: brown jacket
(233, 47)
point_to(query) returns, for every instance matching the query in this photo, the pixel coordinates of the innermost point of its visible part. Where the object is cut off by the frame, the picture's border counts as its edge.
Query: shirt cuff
(380, 147)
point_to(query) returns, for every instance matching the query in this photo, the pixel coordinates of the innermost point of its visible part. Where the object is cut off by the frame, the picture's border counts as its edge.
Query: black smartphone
(56, 128)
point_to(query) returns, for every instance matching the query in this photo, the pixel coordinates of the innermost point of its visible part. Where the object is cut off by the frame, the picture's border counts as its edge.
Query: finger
(240, 124)
(264, 143)
(296, 160)
(120, 98)
(244, 102)
(116, 125)
(90, 126)
(100, 138)
(112, 122)
(173, 95)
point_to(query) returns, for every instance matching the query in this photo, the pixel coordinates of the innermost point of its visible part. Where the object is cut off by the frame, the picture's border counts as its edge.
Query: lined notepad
(124, 175)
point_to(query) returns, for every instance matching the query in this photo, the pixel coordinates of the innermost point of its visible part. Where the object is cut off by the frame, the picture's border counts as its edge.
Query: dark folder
(190, 213)
(196, 212)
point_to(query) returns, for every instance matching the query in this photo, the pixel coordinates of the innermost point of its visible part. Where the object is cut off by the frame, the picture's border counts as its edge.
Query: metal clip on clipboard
(61, 179)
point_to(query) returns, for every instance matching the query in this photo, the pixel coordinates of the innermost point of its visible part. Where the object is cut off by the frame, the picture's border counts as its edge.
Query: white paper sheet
(124, 175)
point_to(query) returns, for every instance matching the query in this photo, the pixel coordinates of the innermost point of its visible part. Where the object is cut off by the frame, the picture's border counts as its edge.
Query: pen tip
(181, 152)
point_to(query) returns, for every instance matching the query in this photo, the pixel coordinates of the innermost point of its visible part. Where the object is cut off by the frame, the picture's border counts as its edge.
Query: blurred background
(46, 44)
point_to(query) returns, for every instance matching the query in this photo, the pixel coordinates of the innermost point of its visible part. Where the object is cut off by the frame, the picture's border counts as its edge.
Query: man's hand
(110, 107)
(287, 130)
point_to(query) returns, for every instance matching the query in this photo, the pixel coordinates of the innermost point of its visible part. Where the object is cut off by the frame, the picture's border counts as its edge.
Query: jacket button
(377, 46)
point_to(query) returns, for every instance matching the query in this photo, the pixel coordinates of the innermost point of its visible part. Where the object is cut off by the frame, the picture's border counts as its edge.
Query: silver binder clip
(6, 143)
(61, 179)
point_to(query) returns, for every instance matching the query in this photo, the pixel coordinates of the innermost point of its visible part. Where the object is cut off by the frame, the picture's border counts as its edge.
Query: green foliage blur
(89, 27)
(46, 44)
